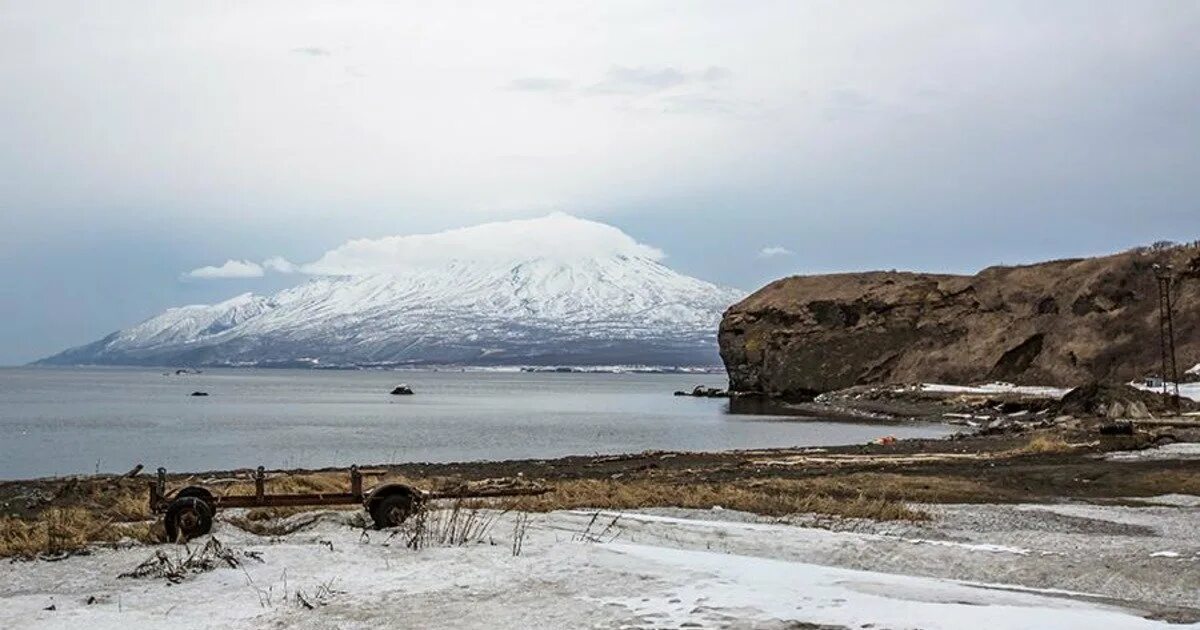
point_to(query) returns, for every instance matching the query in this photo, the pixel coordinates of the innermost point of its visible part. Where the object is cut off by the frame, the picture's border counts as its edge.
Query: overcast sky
(745, 140)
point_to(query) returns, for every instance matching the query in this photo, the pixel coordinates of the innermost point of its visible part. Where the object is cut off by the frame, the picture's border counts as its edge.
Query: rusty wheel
(393, 510)
(200, 493)
(187, 518)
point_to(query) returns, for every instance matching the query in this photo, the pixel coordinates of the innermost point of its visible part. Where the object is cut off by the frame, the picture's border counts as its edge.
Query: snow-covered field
(1187, 390)
(997, 388)
(973, 566)
(1179, 450)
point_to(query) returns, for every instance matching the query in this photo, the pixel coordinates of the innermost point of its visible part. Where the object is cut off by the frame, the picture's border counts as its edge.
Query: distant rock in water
(402, 390)
(1064, 323)
(199, 393)
(701, 391)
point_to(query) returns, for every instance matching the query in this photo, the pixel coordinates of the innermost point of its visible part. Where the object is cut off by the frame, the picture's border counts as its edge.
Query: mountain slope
(598, 307)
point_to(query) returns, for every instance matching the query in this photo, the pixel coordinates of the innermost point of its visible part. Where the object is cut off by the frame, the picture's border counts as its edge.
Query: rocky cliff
(1060, 323)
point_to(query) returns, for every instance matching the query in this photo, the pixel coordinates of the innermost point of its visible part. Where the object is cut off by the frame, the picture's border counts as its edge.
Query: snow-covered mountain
(556, 290)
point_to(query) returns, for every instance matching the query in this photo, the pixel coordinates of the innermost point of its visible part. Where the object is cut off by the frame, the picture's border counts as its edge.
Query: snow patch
(727, 587)
(1186, 390)
(1176, 500)
(1178, 450)
(997, 388)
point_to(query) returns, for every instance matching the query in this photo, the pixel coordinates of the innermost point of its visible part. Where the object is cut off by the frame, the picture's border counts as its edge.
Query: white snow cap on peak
(558, 236)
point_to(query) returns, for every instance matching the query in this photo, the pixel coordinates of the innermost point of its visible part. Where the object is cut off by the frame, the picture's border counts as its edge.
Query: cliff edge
(1061, 322)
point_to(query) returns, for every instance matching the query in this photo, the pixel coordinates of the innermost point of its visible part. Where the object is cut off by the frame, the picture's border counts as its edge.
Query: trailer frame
(188, 512)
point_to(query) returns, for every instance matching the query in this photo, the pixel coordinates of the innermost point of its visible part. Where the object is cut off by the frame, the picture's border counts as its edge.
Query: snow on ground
(1186, 390)
(1190, 390)
(997, 388)
(1181, 500)
(986, 566)
(1178, 450)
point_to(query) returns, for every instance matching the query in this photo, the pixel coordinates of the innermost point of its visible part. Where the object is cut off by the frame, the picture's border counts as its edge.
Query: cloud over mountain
(558, 237)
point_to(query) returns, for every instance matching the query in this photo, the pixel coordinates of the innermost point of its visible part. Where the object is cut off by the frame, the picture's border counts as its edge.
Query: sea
(64, 421)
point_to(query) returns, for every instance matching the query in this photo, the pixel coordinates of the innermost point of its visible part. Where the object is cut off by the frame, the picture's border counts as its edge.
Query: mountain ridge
(586, 310)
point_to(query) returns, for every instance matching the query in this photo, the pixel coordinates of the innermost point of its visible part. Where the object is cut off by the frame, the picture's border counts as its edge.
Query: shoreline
(1054, 521)
(1074, 447)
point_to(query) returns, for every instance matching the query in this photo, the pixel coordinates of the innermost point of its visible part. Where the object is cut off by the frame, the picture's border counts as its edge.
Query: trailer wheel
(200, 493)
(187, 518)
(392, 510)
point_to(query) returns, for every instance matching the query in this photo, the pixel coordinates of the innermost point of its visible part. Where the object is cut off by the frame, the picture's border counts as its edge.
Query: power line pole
(1166, 330)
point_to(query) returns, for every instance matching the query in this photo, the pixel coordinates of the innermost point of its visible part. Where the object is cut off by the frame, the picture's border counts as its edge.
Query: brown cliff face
(1062, 323)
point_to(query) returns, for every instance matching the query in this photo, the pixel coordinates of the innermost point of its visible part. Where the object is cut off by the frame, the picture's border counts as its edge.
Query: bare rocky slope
(1062, 322)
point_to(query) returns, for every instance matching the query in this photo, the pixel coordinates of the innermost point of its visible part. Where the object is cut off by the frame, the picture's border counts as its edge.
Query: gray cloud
(693, 103)
(539, 84)
(848, 101)
(645, 80)
(312, 51)
(666, 89)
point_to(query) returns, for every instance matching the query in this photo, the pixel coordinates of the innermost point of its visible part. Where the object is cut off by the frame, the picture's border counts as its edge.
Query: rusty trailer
(189, 512)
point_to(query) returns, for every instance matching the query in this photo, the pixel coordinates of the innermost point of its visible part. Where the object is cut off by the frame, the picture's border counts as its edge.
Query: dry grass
(81, 512)
(312, 483)
(272, 527)
(63, 530)
(461, 523)
(776, 497)
(905, 488)
(1043, 444)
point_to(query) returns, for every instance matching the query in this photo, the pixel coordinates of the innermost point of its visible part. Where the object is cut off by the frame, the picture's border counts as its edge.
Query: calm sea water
(66, 421)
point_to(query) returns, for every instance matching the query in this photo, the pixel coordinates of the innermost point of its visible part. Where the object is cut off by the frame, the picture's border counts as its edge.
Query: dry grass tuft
(461, 523)
(1043, 444)
(194, 561)
(273, 527)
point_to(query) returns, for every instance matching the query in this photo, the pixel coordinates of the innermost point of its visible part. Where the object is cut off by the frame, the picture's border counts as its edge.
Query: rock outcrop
(1063, 322)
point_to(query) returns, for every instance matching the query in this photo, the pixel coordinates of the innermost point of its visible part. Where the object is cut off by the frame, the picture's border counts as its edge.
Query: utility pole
(1166, 329)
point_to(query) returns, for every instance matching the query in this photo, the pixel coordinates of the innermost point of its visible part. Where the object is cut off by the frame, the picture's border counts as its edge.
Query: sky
(745, 141)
